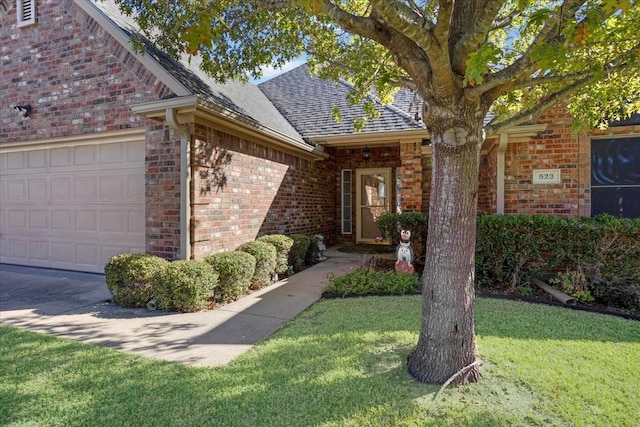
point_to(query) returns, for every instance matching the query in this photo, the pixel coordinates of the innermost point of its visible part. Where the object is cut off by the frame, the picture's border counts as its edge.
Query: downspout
(502, 149)
(185, 182)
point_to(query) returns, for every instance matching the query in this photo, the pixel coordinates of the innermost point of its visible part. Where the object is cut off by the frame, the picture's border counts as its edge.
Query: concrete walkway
(75, 305)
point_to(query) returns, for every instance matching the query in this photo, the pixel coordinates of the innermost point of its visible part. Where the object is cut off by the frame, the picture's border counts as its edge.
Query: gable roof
(306, 101)
(245, 101)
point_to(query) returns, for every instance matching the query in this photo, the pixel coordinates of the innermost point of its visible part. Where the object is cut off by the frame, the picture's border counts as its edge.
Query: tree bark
(447, 335)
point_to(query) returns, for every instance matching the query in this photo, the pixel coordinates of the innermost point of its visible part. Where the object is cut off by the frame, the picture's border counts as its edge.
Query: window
(615, 177)
(26, 12)
(346, 201)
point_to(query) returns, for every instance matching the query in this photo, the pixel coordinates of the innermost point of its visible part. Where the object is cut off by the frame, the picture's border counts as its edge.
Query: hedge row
(134, 280)
(593, 258)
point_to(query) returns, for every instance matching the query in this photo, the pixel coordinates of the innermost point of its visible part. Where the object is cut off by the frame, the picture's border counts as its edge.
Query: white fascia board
(229, 119)
(370, 138)
(521, 133)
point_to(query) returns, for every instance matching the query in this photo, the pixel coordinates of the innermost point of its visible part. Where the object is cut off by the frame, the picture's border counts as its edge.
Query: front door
(373, 196)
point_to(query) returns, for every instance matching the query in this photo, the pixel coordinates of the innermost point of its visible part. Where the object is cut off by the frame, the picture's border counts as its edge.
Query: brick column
(411, 176)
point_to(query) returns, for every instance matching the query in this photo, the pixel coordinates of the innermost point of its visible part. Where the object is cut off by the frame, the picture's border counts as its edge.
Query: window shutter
(26, 12)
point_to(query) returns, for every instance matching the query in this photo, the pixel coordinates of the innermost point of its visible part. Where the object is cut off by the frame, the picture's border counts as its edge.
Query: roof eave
(522, 133)
(380, 138)
(192, 108)
(123, 38)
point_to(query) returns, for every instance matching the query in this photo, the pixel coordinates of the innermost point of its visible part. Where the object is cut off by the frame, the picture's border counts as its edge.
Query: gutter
(227, 121)
(185, 181)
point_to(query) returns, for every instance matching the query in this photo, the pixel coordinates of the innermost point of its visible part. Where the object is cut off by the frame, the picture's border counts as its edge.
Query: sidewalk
(75, 305)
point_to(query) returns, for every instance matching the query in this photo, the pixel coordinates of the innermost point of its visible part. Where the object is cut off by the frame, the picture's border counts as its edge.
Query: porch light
(366, 153)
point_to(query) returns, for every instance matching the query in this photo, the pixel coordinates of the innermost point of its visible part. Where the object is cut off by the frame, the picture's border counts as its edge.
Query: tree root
(456, 375)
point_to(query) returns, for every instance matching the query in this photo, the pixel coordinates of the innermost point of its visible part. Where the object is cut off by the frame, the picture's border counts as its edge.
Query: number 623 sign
(546, 176)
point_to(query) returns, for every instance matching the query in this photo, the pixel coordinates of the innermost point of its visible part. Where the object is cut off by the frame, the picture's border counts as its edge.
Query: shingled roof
(243, 99)
(306, 101)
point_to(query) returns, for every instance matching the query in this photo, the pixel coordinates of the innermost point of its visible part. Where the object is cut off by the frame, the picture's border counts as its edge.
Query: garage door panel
(38, 219)
(112, 186)
(38, 189)
(16, 161)
(37, 159)
(72, 207)
(61, 157)
(85, 155)
(39, 250)
(61, 220)
(17, 219)
(16, 189)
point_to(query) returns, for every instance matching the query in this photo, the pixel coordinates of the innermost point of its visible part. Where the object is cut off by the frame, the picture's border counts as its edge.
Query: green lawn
(341, 362)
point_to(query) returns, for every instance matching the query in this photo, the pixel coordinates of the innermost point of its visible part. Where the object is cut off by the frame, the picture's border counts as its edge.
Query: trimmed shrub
(129, 278)
(283, 245)
(185, 286)
(313, 251)
(390, 224)
(265, 255)
(367, 281)
(592, 257)
(508, 249)
(235, 271)
(298, 251)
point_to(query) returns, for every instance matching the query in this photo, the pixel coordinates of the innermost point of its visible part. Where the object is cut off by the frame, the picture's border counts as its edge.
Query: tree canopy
(515, 57)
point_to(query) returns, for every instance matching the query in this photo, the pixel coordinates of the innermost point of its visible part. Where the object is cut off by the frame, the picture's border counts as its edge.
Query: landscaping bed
(364, 282)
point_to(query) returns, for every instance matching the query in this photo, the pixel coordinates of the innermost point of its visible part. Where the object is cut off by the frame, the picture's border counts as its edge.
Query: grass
(340, 363)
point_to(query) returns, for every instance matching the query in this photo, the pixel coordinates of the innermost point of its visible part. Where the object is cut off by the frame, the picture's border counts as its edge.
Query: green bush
(390, 224)
(367, 281)
(298, 251)
(510, 250)
(186, 286)
(265, 255)
(129, 278)
(283, 245)
(235, 271)
(313, 251)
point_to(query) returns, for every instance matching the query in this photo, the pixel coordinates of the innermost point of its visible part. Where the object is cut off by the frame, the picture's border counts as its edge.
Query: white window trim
(349, 229)
(26, 12)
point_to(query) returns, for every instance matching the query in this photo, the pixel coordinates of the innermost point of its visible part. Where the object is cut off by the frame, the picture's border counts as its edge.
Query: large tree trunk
(447, 338)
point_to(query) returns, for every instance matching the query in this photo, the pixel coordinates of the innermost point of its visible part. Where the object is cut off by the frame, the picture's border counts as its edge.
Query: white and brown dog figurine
(404, 254)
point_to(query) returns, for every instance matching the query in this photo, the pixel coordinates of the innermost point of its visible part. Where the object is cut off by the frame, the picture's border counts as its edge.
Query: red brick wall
(487, 188)
(556, 148)
(75, 76)
(162, 192)
(242, 190)
(411, 176)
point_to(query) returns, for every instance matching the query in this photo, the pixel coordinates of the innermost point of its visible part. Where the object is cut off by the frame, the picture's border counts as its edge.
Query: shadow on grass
(308, 380)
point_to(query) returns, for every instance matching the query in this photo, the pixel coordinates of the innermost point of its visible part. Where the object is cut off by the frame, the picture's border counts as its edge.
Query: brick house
(128, 151)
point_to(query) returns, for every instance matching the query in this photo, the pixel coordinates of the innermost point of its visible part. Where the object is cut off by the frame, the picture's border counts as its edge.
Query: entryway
(373, 198)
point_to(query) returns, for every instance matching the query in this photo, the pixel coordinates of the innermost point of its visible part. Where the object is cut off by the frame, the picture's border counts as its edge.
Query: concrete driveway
(76, 305)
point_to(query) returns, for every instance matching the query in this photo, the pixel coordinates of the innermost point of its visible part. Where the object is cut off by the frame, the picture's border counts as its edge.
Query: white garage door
(72, 205)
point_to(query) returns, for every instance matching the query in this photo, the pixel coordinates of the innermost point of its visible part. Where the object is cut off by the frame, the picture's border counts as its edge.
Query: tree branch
(506, 21)
(443, 21)
(519, 69)
(404, 20)
(472, 24)
(530, 114)
(616, 64)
